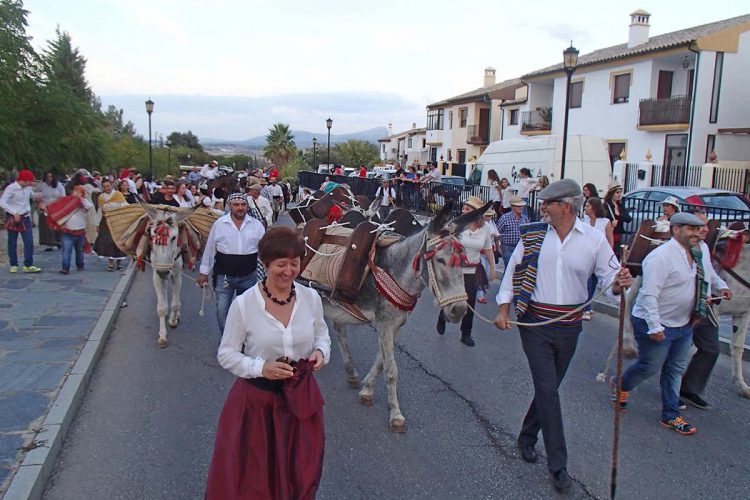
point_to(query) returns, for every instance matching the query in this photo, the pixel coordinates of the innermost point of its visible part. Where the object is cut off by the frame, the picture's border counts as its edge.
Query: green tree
(280, 147)
(354, 153)
(116, 126)
(19, 76)
(187, 139)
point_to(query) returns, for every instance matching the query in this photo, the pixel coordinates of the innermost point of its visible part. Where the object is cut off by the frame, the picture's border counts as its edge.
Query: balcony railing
(538, 120)
(477, 134)
(673, 110)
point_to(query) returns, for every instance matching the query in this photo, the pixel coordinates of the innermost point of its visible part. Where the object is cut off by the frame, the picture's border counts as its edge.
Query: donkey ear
(441, 219)
(460, 223)
(152, 212)
(184, 213)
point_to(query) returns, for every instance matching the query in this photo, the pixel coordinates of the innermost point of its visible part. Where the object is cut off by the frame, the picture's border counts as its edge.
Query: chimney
(638, 34)
(489, 76)
(413, 125)
(390, 129)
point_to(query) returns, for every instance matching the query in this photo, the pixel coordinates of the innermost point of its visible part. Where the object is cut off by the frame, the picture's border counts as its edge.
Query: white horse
(167, 263)
(738, 308)
(437, 254)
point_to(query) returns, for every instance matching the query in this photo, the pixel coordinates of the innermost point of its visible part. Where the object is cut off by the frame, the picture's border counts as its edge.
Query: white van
(587, 160)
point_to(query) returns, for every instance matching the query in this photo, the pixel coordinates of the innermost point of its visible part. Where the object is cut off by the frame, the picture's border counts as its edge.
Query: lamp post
(329, 124)
(315, 154)
(188, 158)
(169, 157)
(149, 110)
(570, 61)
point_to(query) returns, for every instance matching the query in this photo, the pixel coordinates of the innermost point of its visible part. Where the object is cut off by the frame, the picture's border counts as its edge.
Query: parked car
(644, 204)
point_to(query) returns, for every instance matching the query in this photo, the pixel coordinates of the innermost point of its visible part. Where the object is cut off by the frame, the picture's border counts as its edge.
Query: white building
(407, 147)
(679, 95)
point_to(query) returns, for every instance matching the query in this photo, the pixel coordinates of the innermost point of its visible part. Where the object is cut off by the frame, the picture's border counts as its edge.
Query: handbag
(11, 224)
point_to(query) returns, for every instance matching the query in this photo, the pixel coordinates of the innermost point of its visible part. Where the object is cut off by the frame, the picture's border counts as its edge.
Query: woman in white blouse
(476, 239)
(595, 215)
(270, 438)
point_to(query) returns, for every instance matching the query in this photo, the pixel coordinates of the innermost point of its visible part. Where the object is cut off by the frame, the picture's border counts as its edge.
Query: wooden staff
(616, 433)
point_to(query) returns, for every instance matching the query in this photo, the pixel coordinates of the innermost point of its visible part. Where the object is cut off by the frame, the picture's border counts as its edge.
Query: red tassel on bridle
(161, 234)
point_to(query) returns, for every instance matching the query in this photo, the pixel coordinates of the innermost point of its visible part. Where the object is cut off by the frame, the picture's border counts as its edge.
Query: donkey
(167, 263)
(430, 257)
(737, 276)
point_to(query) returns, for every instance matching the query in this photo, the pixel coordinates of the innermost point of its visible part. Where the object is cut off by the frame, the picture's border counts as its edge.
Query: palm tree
(280, 147)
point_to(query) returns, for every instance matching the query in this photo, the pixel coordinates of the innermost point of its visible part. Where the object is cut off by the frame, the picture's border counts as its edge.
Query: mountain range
(302, 139)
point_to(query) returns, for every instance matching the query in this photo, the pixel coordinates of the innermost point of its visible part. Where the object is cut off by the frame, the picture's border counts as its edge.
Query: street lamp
(149, 110)
(570, 61)
(169, 156)
(315, 154)
(188, 158)
(329, 124)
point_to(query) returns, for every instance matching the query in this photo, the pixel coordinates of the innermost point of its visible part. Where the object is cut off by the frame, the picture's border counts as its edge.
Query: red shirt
(363, 172)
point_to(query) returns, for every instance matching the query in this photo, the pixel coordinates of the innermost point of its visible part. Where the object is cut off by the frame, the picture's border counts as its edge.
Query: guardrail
(641, 210)
(426, 199)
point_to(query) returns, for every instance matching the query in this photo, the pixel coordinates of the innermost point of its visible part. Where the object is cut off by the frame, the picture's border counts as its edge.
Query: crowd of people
(68, 212)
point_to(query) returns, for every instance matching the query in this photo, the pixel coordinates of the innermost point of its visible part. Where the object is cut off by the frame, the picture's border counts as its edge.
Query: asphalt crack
(493, 433)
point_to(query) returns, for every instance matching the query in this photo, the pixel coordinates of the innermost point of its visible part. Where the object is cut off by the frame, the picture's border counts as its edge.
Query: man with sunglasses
(550, 268)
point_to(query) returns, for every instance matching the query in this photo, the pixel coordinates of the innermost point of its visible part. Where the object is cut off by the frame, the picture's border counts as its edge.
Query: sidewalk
(51, 329)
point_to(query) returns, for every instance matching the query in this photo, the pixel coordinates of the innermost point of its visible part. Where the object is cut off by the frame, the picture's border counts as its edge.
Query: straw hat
(613, 186)
(474, 202)
(517, 201)
(671, 200)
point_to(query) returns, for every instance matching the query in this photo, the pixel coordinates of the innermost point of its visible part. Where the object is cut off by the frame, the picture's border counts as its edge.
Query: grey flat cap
(685, 219)
(560, 189)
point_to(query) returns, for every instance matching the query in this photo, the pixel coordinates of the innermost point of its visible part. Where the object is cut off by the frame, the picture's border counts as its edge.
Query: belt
(541, 311)
(265, 384)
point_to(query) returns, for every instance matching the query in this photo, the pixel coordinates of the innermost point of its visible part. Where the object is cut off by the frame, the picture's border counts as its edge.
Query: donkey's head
(163, 232)
(731, 244)
(445, 259)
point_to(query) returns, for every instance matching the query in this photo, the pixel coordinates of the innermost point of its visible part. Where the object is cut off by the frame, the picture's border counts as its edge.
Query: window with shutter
(513, 117)
(576, 94)
(622, 89)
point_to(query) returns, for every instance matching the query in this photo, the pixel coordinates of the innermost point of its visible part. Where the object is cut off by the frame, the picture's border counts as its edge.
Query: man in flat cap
(673, 293)
(547, 277)
(231, 255)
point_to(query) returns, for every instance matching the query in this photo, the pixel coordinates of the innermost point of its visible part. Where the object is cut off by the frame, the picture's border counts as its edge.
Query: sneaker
(623, 404)
(13, 269)
(64, 271)
(695, 400)
(681, 405)
(679, 425)
(31, 269)
(586, 316)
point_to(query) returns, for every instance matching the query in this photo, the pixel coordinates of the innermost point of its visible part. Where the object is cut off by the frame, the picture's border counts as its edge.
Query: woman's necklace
(274, 299)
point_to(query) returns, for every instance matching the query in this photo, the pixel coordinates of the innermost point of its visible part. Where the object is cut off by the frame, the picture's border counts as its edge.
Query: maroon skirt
(263, 450)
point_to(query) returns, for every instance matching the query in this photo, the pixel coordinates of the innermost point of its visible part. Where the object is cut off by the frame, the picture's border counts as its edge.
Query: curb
(613, 311)
(31, 477)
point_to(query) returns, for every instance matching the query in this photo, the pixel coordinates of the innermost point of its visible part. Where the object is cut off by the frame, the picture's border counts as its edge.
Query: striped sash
(538, 311)
(524, 275)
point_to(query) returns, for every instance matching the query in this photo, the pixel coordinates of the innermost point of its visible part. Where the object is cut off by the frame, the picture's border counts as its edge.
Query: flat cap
(685, 219)
(560, 189)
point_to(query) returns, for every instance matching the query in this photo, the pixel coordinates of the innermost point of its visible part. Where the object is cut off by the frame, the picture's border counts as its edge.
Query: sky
(231, 68)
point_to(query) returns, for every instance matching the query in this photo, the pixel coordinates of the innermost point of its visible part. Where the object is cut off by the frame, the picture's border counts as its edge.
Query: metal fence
(641, 210)
(733, 179)
(426, 199)
(676, 175)
(630, 177)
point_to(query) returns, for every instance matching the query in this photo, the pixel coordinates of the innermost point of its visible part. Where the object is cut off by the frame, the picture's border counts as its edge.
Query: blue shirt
(509, 228)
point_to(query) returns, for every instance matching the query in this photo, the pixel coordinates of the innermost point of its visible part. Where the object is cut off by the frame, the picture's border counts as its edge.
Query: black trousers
(706, 339)
(548, 350)
(470, 283)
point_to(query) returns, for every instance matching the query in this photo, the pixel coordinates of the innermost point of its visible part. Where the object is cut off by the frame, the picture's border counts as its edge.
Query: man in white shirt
(73, 233)
(231, 254)
(673, 291)
(210, 171)
(260, 203)
(551, 264)
(277, 198)
(16, 201)
(705, 333)
(386, 195)
(432, 176)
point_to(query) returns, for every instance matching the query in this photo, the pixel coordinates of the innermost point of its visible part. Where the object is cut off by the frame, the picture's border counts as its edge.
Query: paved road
(145, 429)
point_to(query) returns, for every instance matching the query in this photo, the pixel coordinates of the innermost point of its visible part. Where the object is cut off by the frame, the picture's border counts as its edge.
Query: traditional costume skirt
(264, 450)
(104, 245)
(48, 237)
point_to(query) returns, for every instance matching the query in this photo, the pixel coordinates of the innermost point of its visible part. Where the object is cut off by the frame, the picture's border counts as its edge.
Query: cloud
(567, 33)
